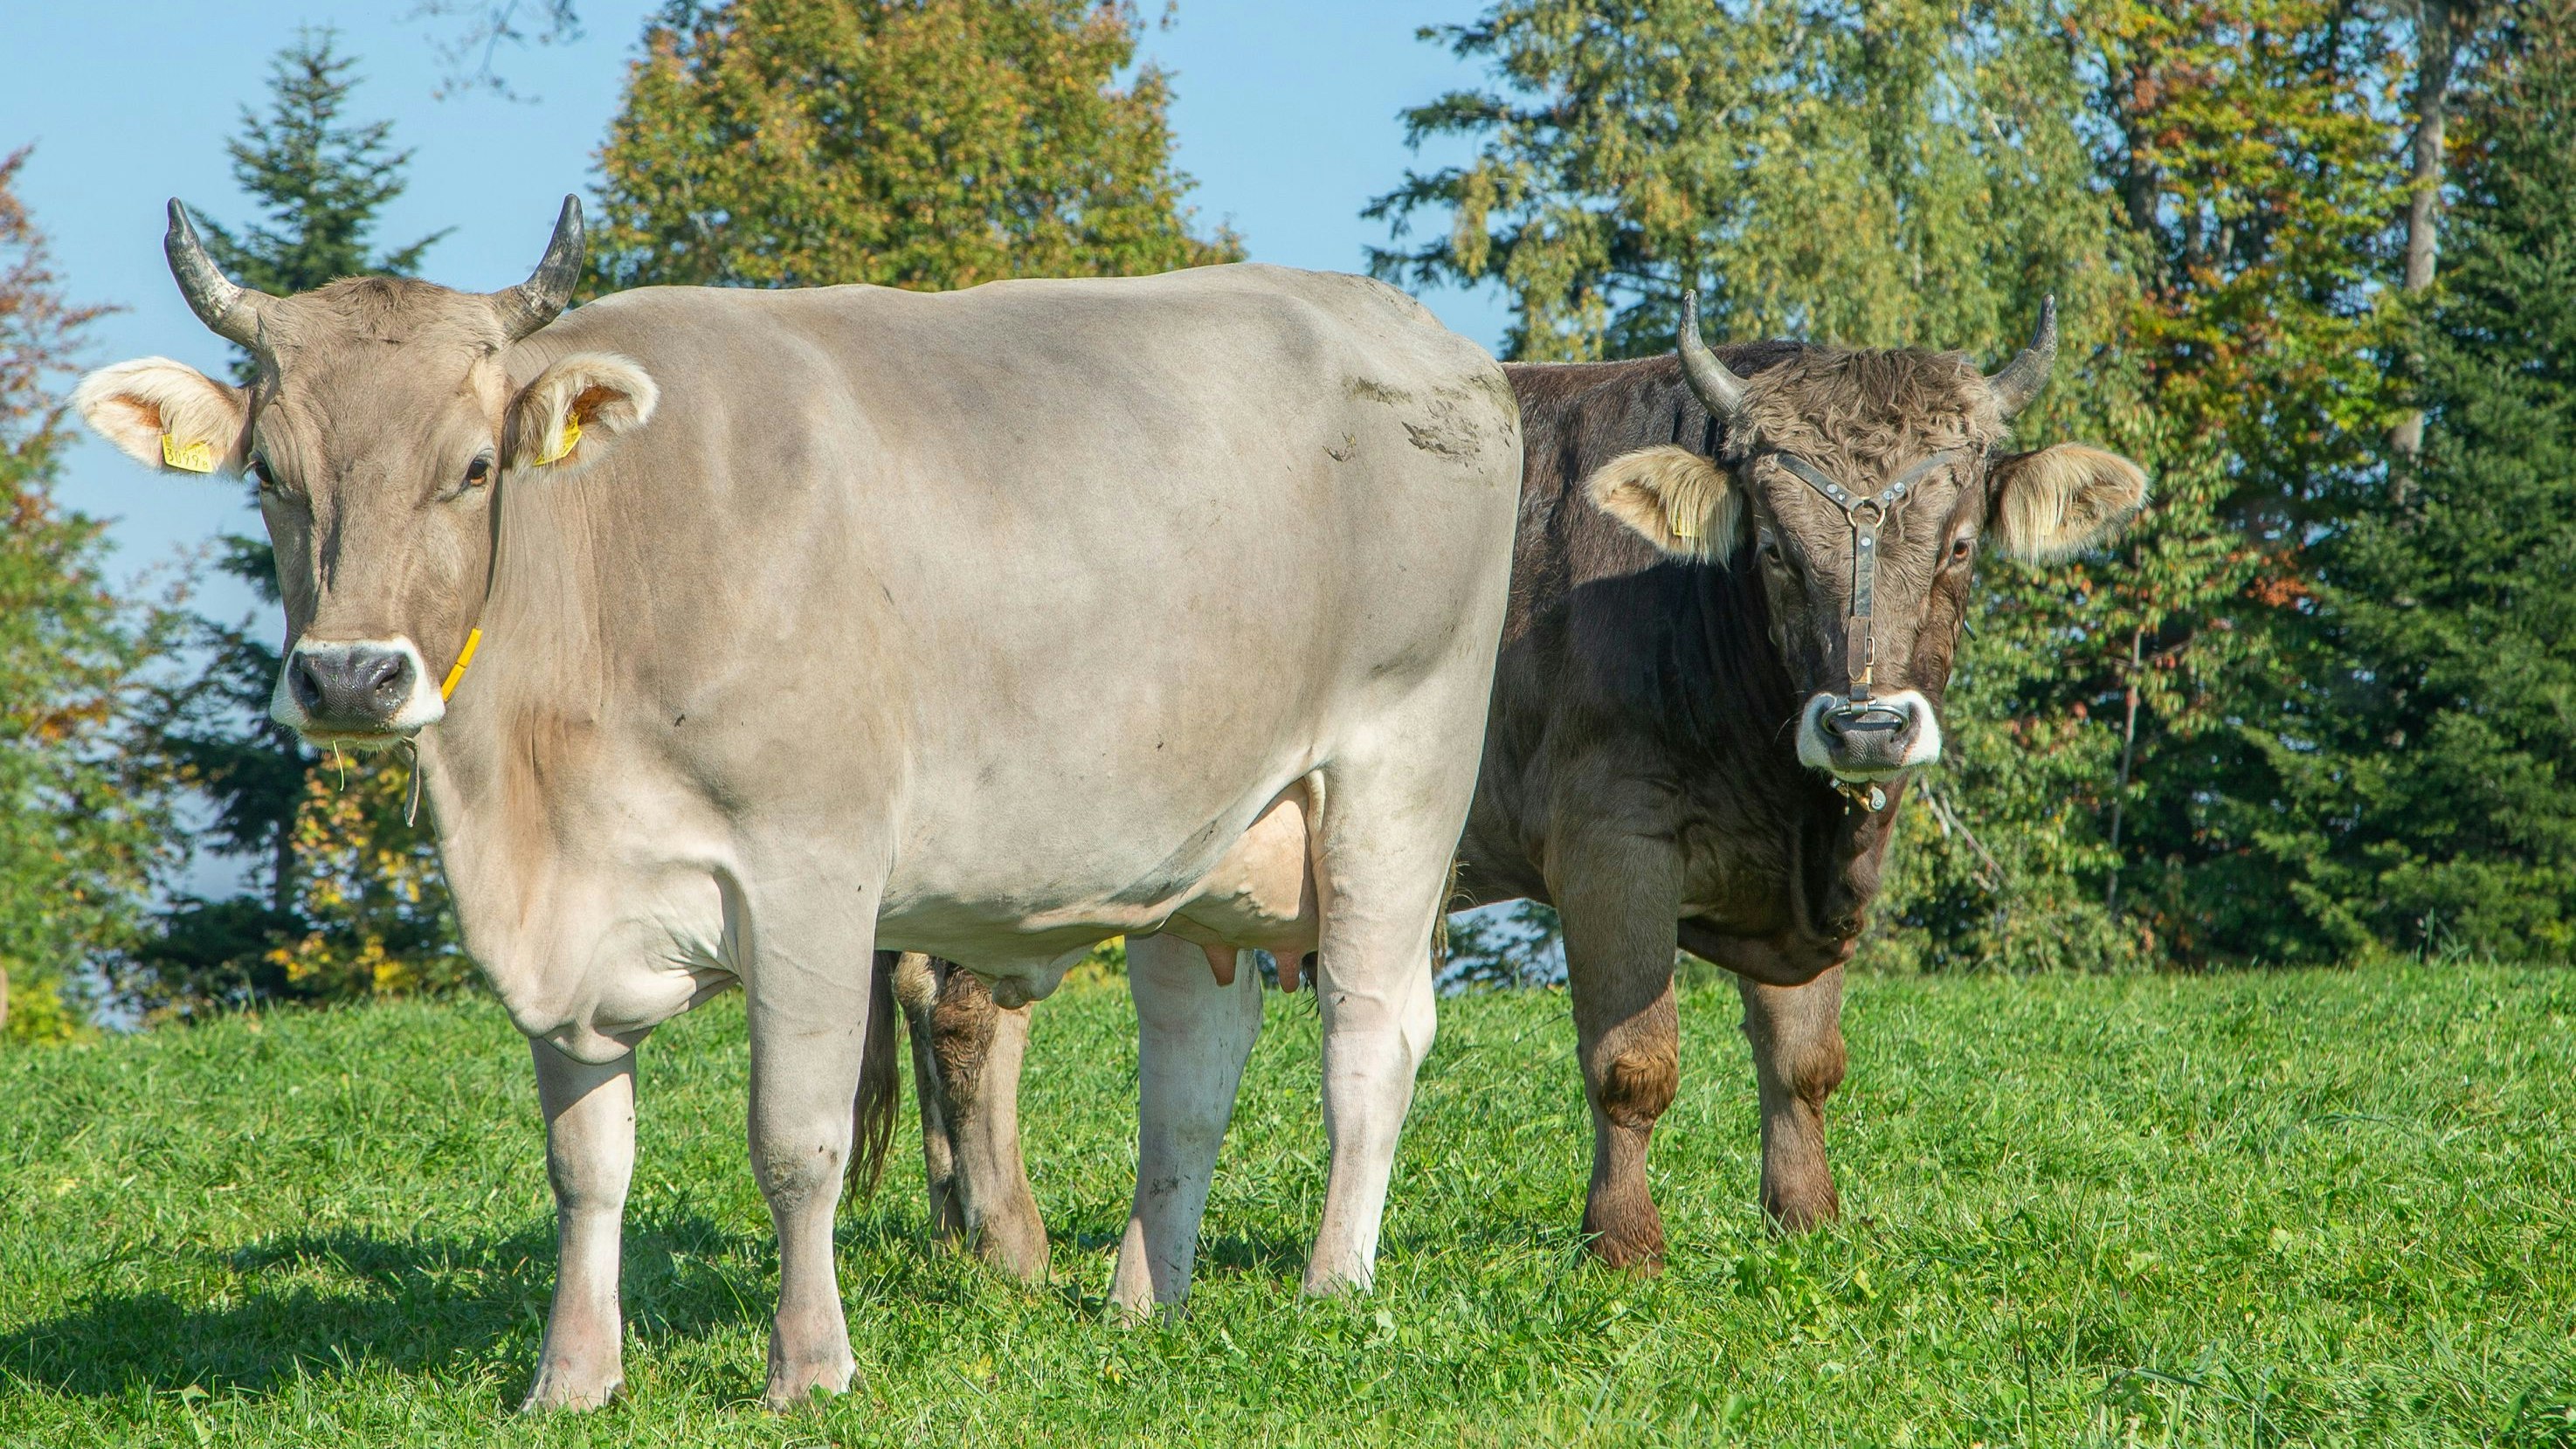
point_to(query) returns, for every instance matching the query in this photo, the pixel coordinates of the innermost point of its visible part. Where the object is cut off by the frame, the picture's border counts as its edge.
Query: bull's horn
(2025, 375)
(230, 309)
(548, 290)
(1720, 391)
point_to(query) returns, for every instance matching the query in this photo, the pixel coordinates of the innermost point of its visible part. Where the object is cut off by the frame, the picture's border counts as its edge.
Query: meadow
(2291, 1208)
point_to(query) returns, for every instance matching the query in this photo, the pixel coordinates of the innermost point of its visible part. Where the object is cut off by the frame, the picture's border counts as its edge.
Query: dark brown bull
(1737, 587)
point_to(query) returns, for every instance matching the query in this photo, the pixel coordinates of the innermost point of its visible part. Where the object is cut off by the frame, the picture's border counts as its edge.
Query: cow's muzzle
(1868, 739)
(355, 690)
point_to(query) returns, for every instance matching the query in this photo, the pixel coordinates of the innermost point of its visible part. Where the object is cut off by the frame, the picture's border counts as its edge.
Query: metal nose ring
(1870, 717)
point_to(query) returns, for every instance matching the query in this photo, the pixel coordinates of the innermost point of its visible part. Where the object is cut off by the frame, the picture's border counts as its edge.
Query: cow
(742, 633)
(1737, 586)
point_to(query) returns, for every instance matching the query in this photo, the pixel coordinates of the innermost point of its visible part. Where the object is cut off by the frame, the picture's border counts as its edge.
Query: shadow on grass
(333, 1303)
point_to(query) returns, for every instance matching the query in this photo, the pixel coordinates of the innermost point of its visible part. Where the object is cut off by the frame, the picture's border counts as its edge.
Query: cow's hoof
(562, 1389)
(792, 1386)
(1632, 1239)
(1018, 1249)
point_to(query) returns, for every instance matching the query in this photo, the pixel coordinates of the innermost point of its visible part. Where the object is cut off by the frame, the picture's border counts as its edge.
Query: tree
(84, 802)
(322, 182)
(912, 143)
(2432, 806)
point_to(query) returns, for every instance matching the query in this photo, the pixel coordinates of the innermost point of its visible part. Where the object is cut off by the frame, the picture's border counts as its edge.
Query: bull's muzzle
(1869, 739)
(361, 688)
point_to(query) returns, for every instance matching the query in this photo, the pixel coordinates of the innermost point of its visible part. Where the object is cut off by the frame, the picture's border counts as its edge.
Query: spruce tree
(911, 143)
(85, 814)
(2436, 783)
(322, 926)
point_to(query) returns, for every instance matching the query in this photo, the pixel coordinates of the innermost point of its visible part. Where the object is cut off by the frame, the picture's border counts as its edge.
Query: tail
(880, 1086)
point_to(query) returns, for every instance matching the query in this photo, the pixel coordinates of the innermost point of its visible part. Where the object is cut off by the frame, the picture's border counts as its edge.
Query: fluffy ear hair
(2057, 502)
(135, 405)
(599, 393)
(1680, 501)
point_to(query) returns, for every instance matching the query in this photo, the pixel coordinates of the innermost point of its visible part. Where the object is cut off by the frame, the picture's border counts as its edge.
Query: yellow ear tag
(563, 445)
(196, 457)
(1684, 526)
(465, 656)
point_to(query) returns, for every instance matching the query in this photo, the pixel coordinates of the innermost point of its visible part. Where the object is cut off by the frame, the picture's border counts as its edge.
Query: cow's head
(1860, 485)
(380, 421)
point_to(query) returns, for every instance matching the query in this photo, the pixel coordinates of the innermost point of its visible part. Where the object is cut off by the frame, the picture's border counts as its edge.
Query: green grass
(2287, 1209)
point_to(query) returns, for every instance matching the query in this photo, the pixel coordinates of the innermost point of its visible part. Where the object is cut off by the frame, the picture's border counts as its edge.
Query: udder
(1261, 895)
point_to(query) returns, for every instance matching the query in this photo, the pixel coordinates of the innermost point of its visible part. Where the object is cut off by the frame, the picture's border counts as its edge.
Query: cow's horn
(548, 290)
(230, 309)
(2025, 375)
(1720, 391)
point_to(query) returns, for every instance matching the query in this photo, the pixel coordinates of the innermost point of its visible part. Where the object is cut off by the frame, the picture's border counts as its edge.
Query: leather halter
(1865, 514)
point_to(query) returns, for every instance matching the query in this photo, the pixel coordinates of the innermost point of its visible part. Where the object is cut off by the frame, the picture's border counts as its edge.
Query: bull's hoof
(561, 1388)
(1802, 1215)
(1018, 1251)
(1629, 1236)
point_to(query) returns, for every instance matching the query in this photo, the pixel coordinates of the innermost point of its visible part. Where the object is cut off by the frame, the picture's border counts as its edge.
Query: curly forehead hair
(1867, 411)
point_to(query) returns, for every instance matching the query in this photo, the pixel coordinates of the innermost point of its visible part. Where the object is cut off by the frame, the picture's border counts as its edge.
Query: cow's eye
(260, 471)
(478, 472)
(1960, 548)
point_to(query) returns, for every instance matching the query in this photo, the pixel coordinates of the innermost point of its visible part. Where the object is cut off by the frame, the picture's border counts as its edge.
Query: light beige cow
(742, 633)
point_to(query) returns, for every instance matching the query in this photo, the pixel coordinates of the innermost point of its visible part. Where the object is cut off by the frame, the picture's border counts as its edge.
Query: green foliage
(2081, 1211)
(912, 143)
(351, 903)
(85, 823)
(2207, 190)
(2437, 747)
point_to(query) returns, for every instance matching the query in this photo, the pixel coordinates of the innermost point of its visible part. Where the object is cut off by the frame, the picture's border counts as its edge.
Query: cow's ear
(167, 415)
(1679, 500)
(572, 414)
(2058, 502)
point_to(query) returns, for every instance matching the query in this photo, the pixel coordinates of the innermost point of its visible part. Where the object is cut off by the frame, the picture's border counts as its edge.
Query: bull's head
(1860, 485)
(381, 418)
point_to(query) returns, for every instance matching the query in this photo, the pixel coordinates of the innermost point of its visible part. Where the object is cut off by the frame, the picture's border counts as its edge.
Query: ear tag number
(197, 457)
(564, 444)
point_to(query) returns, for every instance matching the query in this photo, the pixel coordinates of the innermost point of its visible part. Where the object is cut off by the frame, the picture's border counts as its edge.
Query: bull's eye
(478, 472)
(1771, 552)
(1960, 548)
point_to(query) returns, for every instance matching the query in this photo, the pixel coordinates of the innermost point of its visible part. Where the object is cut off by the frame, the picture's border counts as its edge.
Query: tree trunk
(2437, 47)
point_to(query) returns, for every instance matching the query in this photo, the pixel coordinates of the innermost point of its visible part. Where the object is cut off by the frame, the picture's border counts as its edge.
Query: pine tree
(2433, 788)
(84, 801)
(912, 143)
(350, 904)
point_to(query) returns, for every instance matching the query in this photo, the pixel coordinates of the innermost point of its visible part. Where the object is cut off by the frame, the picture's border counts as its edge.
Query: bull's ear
(1679, 500)
(167, 415)
(571, 415)
(2058, 502)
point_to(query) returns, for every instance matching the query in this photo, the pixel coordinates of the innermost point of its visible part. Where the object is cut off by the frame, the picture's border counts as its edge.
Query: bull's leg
(1192, 1038)
(590, 1155)
(916, 990)
(807, 1000)
(976, 1051)
(1616, 899)
(1797, 1037)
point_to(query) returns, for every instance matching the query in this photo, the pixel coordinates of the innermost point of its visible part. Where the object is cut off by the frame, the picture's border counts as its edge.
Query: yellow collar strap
(473, 641)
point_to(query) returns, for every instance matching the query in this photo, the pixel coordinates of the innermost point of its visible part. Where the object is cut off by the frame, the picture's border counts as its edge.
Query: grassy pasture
(2329, 1208)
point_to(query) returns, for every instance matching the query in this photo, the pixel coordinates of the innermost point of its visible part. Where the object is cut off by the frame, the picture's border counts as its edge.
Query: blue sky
(1284, 112)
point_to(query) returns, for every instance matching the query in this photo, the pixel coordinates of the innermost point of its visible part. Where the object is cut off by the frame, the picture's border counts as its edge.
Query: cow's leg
(1387, 835)
(590, 1155)
(1616, 900)
(916, 990)
(977, 1048)
(806, 994)
(1192, 1038)
(1797, 1036)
